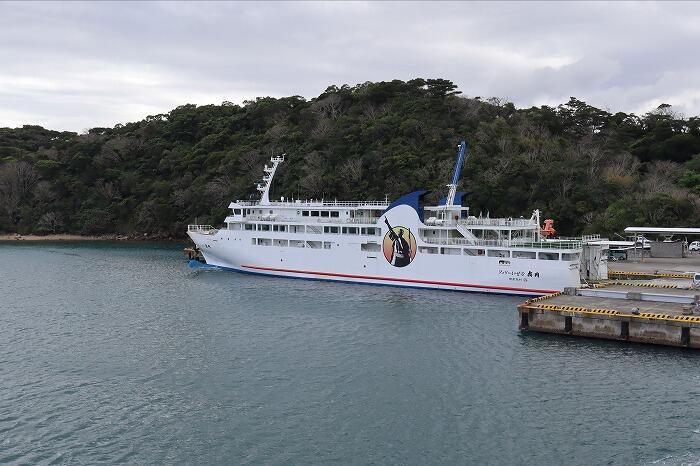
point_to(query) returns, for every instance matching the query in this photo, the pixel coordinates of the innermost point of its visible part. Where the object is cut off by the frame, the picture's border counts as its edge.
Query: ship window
(314, 213)
(280, 242)
(254, 241)
(263, 227)
(326, 245)
(571, 257)
(370, 231)
(234, 226)
(450, 251)
(352, 230)
(474, 252)
(279, 227)
(498, 253)
(249, 226)
(264, 242)
(524, 255)
(427, 250)
(548, 256)
(335, 213)
(304, 213)
(296, 243)
(370, 247)
(237, 211)
(324, 213)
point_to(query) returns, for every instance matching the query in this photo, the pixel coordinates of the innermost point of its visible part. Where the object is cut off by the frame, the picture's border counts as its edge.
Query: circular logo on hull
(399, 246)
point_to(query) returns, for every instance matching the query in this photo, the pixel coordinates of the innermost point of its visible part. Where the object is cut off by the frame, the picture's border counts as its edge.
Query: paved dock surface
(632, 287)
(688, 264)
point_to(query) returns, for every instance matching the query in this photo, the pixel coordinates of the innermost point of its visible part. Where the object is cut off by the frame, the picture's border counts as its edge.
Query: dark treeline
(591, 170)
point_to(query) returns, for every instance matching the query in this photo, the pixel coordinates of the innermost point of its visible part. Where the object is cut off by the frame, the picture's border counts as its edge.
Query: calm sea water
(119, 353)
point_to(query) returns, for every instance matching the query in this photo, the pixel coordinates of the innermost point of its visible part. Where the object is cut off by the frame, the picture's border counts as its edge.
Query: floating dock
(662, 314)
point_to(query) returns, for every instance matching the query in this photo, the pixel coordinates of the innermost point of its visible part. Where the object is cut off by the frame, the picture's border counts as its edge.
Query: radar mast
(455, 177)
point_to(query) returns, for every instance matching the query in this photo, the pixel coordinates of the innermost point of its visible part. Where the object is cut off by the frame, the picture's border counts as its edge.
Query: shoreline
(69, 237)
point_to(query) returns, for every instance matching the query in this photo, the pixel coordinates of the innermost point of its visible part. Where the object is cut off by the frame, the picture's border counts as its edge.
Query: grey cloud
(77, 65)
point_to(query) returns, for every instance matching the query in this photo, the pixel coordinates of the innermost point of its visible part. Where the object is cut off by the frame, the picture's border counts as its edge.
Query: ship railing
(568, 244)
(581, 239)
(307, 220)
(202, 229)
(315, 203)
(497, 222)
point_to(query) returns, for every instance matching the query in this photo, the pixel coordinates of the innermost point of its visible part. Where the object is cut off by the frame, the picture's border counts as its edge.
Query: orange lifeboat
(548, 231)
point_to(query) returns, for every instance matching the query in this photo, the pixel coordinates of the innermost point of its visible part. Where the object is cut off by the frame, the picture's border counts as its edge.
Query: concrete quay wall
(611, 327)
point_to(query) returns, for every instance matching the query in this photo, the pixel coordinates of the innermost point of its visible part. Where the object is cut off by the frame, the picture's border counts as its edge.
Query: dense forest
(589, 169)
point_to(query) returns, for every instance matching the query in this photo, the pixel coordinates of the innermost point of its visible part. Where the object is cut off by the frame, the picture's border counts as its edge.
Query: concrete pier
(660, 314)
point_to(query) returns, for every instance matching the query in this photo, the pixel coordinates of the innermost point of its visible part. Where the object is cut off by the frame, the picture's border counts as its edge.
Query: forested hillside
(591, 170)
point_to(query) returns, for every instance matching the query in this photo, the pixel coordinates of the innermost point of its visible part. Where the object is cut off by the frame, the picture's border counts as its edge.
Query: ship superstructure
(397, 243)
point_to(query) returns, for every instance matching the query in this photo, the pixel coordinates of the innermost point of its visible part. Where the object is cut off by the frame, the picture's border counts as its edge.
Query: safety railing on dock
(655, 274)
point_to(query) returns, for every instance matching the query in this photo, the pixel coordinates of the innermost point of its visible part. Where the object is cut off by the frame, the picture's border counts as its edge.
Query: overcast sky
(73, 66)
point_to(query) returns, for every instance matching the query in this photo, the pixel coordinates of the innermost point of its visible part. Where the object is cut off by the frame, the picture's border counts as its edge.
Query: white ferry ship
(397, 243)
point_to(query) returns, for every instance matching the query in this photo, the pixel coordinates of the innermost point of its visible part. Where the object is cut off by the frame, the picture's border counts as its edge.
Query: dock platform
(663, 314)
(656, 268)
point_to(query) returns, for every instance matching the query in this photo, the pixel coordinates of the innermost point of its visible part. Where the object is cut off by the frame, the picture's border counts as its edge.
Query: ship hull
(389, 281)
(346, 262)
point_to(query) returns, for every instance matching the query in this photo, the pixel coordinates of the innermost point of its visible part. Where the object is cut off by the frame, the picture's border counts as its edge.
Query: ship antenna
(264, 185)
(455, 176)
